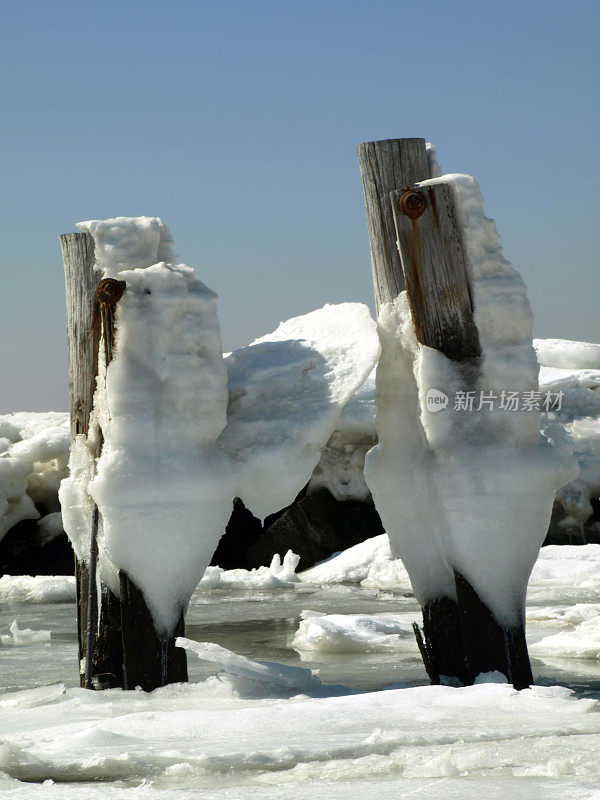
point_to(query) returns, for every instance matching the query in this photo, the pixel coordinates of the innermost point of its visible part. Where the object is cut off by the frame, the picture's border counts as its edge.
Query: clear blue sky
(237, 122)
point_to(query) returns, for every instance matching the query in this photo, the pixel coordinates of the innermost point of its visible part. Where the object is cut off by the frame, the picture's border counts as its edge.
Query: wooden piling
(387, 166)
(100, 666)
(439, 295)
(118, 643)
(384, 166)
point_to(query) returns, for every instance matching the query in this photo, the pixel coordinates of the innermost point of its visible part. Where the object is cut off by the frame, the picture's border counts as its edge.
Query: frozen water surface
(368, 727)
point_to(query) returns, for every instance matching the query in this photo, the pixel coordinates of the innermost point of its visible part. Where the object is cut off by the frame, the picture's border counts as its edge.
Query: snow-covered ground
(362, 724)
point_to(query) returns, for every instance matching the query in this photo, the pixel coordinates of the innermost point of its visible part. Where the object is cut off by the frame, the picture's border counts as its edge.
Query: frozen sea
(369, 727)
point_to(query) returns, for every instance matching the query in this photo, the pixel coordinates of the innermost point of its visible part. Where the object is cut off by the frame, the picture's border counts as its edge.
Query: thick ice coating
(126, 243)
(286, 393)
(178, 447)
(466, 487)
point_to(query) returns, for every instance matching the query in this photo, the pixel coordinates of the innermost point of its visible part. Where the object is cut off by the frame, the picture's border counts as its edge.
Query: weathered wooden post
(439, 296)
(118, 643)
(104, 661)
(386, 166)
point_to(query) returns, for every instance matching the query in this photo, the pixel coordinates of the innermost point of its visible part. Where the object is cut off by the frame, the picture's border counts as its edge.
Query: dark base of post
(149, 660)
(82, 583)
(107, 646)
(107, 658)
(488, 645)
(440, 641)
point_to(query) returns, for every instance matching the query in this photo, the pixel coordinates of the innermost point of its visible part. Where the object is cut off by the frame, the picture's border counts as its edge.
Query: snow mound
(368, 563)
(352, 633)
(37, 589)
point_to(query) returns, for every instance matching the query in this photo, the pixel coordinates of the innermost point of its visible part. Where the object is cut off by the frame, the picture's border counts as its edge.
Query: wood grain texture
(104, 667)
(81, 278)
(436, 275)
(385, 166)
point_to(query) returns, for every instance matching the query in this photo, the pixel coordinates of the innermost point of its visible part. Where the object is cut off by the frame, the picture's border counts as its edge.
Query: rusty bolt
(110, 291)
(412, 203)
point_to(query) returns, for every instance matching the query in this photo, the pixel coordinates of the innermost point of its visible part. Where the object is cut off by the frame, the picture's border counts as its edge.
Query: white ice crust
(37, 589)
(33, 459)
(353, 633)
(286, 392)
(458, 490)
(179, 442)
(565, 354)
(251, 738)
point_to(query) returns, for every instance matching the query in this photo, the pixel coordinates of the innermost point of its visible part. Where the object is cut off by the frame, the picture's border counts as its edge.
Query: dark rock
(315, 527)
(23, 551)
(242, 530)
(271, 518)
(563, 529)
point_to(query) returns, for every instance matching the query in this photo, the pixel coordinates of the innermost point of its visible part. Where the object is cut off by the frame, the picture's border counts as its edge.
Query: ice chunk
(34, 449)
(353, 633)
(491, 677)
(238, 666)
(566, 354)
(37, 589)
(277, 576)
(24, 637)
(583, 641)
(49, 527)
(32, 698)
(341, 467)
(566, 574)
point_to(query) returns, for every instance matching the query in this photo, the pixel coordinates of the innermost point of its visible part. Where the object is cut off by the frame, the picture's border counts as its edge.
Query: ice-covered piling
(179, 444)
(463, 481)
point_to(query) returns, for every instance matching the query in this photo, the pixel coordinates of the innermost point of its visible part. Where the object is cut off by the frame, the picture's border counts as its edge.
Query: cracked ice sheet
(208, 735)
